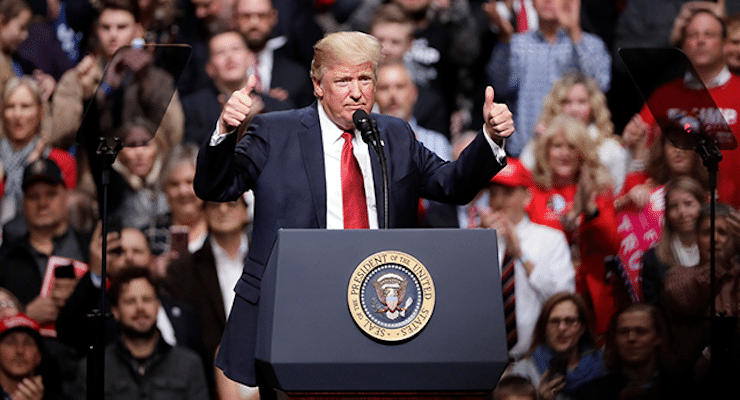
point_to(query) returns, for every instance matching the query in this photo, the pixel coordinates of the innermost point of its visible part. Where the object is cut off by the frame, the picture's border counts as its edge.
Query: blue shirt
(523, 71)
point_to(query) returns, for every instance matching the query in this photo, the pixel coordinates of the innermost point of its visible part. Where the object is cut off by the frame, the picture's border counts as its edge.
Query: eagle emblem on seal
(391, 290)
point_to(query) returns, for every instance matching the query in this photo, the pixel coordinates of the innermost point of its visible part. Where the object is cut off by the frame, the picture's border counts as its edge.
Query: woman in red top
(573, 193)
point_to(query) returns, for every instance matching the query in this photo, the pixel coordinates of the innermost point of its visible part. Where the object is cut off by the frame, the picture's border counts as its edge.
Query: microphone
(369, 131)
(368, 128)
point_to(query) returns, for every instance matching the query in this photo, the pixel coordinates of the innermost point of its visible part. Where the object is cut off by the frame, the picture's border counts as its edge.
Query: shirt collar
(692, 82)
(330, 132)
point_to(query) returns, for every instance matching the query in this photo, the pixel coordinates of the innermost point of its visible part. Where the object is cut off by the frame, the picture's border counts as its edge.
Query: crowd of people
(602, 212)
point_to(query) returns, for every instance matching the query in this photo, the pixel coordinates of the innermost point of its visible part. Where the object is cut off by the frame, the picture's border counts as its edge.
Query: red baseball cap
(514, 174)
(20, 322)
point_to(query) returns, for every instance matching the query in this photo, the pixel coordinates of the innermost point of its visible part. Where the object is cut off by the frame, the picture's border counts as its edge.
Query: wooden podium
(309, 345)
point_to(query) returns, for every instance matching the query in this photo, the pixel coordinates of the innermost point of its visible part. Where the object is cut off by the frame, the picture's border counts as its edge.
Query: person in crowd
(580, 97)
(563, 356)
(15, 17)
(23, 261)
(637, 359)
(214, 269)
(140, 363)
(279, 76)
(540, 254)
(572, 192)
(641, 205)
(135, 196)
(395, 30)
(9, 303)
(116, 26)
(186, 209)
(523, 67)
(677, 246)
(445, 47)
(305, 187)
(25, 129)
(26, 372)
(177, 322)
(228, 66)
(703, 40)
(686, 292)
(732, 46)
(396, 95)
(514, 387)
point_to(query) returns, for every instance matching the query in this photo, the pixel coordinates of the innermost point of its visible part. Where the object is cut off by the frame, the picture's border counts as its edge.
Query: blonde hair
(11, 85)
(345, 47)
(576, 134)
(601, 117)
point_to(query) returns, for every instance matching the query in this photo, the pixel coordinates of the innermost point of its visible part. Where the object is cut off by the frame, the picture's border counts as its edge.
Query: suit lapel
(313, 161)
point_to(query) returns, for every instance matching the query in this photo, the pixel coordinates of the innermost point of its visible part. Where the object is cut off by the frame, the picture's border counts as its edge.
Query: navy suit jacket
(281, 159)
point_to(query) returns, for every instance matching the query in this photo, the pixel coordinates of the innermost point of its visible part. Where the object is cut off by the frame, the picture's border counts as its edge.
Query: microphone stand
(378, 146)
(96, 357)
(722, 326)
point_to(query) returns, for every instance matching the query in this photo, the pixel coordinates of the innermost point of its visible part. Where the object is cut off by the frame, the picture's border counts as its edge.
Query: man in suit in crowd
(278, 74)
(293, 162)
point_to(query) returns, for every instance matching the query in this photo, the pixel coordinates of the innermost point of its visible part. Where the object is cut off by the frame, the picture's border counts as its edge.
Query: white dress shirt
(229, 270)
(546, 248)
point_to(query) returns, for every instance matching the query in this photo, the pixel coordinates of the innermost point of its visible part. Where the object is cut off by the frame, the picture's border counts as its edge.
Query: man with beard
(140, 364)
(278, 74)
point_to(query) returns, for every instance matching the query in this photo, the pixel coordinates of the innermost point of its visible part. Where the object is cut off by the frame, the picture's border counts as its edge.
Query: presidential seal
(391, 296)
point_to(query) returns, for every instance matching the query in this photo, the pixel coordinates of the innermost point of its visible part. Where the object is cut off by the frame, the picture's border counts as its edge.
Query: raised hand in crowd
(687, 10)
(506, 29)
(569, 17)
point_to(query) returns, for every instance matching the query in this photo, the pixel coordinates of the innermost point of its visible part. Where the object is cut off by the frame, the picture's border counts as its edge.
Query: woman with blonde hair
(572, 193)
(25, 127)
(580, 97)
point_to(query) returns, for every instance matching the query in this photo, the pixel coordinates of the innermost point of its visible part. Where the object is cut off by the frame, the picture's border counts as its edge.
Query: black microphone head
(358, 118)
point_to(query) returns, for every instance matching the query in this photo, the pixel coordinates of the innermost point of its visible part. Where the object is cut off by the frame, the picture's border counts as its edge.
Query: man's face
(547, 10)
(636, 338)
(136, 311)
(509, 200)
(229, 59)
(134, 249)
(732, 48)
(181, 196)
(396, 93)
(116, 28)
(19, 354)
(255, 20)
(45, 205)
(15, 31)
(226, 218)
(395, 38)
(345, 89)
(703, 43)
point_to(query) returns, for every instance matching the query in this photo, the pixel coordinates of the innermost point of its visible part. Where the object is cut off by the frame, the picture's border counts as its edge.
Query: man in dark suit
(292, 162)
(278, 74)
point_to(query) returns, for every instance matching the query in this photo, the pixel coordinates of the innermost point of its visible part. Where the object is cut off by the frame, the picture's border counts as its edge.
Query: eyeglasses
(6, 304)
(569, 322)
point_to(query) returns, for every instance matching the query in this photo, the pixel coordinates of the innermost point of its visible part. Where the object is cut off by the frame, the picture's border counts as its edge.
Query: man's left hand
(498, 118)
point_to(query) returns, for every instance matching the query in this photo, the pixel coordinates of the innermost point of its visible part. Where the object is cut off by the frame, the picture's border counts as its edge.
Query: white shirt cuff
(217, 138)
(498, 151)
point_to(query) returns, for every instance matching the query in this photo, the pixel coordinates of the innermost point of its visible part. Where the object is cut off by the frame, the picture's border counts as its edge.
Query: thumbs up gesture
(237, 107)
(498, 118)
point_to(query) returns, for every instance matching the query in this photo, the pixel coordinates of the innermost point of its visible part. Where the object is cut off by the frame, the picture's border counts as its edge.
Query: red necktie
(354, 204)
(521, 18)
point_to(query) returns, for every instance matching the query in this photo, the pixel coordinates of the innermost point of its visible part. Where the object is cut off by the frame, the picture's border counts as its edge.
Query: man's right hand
(237, 108)
(42, 310)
